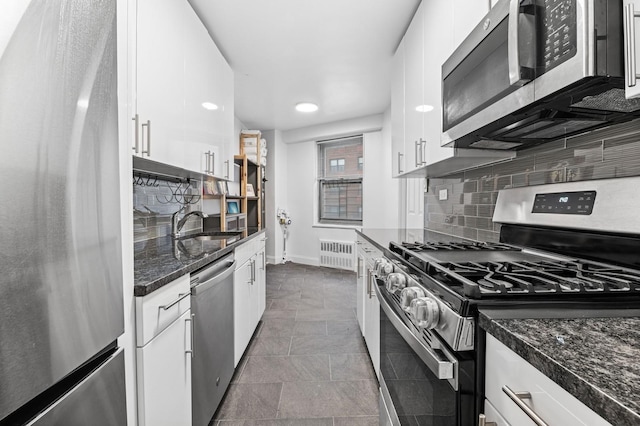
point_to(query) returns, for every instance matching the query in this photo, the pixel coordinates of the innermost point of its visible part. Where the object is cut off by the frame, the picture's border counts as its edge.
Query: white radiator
(337, 254)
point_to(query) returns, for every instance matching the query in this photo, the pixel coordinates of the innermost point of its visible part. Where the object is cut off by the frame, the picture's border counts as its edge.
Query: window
(340, 181)
(336, 165)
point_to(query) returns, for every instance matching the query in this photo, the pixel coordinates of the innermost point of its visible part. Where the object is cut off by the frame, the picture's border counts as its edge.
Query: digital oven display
(580, 202)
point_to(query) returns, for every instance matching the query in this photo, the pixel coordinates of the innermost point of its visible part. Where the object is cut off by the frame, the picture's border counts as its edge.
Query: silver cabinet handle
(518, 397)
(515, 76)
(136, 144)
(359, 267)
(264, 261)
(482, 421)
(228, 167)
(423, 145)
(400, 155)
(213, 162)
(207, 168)
(180, 297)
(148, 126)
(253, 271)
(192, 323)
(416, 149)
(630, 43)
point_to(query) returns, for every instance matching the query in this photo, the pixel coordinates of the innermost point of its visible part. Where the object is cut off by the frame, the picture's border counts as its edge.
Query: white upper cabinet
(414, 89)
(436, 30)
(159, 74)
(397, 111)
(184, 90)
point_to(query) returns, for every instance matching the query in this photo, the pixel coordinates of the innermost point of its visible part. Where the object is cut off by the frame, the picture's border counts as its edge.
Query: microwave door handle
(513, 47)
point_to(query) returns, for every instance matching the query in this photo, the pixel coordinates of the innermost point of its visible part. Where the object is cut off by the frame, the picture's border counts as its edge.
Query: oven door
(420, 384)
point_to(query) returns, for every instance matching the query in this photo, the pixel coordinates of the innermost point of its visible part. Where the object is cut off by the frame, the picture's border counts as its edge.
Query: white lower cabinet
(506, 371)
(249, 293)
(163, 355)
(372, 321)
(164, 376)
(367, 304)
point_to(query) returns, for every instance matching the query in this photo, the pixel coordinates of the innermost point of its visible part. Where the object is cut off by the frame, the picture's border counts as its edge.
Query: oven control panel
(579, 202)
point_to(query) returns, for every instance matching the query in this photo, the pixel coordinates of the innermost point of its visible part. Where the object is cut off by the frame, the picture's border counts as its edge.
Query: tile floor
(307, 363)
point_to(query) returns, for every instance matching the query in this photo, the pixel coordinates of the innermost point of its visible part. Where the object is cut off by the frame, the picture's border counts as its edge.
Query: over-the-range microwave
(534, 71)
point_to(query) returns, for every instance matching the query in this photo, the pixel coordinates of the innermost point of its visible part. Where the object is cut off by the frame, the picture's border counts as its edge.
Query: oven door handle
(444, 367)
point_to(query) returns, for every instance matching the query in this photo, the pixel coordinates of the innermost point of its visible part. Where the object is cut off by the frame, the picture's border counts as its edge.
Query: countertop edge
(601, 403)
(148, 287)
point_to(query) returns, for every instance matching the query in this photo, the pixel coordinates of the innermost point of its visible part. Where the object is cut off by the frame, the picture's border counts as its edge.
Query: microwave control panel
(558, 35)
(580, 202)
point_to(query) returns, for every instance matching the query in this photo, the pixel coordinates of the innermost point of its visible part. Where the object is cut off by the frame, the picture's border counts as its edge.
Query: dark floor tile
(305, 328)
(336, 399)
(356, 421)
(278, 422)
(277, 327)
(279, 314)
(269, 345)
(329, 314)
(283, 294)
(340, 302)
(272, 369)
(337, 344)
(250, 401)
(343, 327)
(316, 303)
(351, 367)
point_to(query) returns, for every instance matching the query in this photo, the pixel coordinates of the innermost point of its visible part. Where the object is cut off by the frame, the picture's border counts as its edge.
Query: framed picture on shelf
(250, 191)
(233, 207)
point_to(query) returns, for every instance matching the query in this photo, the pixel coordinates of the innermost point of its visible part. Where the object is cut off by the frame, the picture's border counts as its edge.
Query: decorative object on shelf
(222, 187)
(210, 188)
(233, 207)
(250, 191)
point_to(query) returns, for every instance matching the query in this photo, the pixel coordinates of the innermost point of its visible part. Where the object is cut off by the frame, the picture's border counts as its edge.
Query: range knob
(396, 281)
(407, 295)
(425, 311)
(382, 267)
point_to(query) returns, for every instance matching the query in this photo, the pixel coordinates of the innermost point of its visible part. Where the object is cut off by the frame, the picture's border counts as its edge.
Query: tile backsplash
(607, 153)
(155, 201)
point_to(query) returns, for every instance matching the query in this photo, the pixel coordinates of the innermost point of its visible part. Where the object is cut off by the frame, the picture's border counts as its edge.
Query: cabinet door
(230, 142)
(438, 21)
(164, 376)
(159, 78)
(397, 111)
(372, 322)
(414, 88)
(360, 295)
(243, 309)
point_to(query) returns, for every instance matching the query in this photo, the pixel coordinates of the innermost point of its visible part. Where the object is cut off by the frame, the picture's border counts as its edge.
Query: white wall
(276, 194)
(297, 175)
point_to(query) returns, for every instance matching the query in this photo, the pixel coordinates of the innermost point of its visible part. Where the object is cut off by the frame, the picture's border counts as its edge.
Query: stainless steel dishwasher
(212, 364)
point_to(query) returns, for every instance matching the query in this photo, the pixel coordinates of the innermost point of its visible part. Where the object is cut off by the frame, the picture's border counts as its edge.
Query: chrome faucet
(176, 225)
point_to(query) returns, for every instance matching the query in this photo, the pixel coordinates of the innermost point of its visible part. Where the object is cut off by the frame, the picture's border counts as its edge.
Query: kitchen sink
(211, 236)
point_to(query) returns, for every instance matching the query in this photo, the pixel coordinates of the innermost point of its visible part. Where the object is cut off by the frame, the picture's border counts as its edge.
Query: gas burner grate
(464, 245)
(540, 278)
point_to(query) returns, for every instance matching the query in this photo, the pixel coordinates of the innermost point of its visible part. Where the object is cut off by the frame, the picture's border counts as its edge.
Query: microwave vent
(611, 100)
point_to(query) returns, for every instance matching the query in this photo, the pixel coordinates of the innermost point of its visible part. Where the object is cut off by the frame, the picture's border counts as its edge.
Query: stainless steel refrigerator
(61, 306)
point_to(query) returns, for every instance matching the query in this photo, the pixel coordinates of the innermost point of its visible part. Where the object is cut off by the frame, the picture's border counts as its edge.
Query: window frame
(324, 181)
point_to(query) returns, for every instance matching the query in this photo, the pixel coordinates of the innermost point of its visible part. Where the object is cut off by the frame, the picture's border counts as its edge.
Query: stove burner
(545, 277)
(464, 245)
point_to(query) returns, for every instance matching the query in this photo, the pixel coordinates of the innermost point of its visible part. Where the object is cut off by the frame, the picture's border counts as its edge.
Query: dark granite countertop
(594, 359)
(159, 261)
(382, 237)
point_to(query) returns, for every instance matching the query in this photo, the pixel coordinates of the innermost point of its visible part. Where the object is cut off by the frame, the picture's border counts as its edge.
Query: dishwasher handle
(204, 280)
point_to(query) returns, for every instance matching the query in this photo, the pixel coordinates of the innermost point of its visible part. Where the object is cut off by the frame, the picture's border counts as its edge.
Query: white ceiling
(335, 53)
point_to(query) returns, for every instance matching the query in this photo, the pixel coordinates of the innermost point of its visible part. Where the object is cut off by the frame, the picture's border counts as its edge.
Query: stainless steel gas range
(565, 250)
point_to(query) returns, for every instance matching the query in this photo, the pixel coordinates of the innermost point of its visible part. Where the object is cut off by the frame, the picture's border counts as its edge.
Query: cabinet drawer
(244, 251)
(556, 406)
(367, 250)
(159, 309)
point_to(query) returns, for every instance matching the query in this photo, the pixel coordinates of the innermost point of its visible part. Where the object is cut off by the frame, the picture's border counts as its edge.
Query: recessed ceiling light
(306, 107)
(210, 106)
(424, 108)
